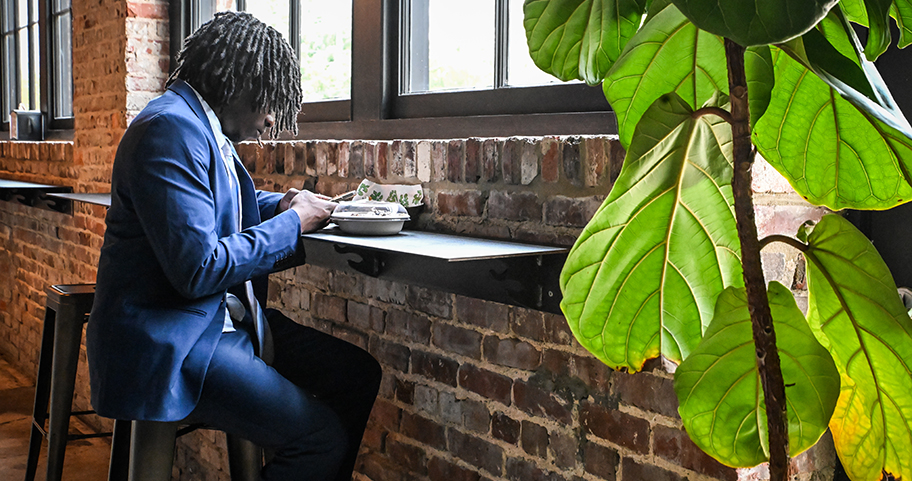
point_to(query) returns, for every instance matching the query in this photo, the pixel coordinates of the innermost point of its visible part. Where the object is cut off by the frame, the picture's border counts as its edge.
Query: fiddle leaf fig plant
(670, 264)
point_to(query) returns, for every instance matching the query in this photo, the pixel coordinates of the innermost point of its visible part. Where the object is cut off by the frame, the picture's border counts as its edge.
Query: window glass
(63, 63)
(271, 12)
(325, 49)
(22, 64)
(451, 45)
(521, 71)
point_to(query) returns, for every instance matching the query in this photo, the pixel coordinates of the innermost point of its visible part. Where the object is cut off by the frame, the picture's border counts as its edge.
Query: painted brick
(511, 161)
(329, 307)
(473, 160)
(489, 384)
(423, 161)
(438, 161)
(409, 164)
(395, 162)
(370, 159)
(528, 163)
(550, 160)
(356, 160)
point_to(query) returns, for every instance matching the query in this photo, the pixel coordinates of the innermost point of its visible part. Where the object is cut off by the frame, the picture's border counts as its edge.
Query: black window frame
(45, 69)
(377, 111)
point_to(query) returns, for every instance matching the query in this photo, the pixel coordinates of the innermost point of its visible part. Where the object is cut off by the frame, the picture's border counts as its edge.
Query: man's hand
(313, 209)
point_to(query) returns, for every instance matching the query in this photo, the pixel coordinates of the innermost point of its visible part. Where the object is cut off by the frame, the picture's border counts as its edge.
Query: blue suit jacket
(171, 252)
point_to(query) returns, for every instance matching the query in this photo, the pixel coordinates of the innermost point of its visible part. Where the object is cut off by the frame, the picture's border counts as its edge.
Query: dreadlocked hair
(234, 54)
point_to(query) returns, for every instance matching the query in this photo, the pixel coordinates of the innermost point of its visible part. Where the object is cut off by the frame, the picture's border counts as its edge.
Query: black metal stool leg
(119, 467)
(42, 395)
(67, 339)
(245, 459)
(152, 450)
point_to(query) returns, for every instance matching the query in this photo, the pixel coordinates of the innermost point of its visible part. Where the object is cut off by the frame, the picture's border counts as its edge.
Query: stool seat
(66, 311)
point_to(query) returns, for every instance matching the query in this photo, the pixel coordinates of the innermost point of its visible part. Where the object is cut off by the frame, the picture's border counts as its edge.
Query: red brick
(476, 451)
(511, 353)
(457, 340)
(593, 372)
(515, 206)
(465, 204)
(472, 160)
(675, 446)
(564, 449)
(393, 355)
(442, 470)
(571, 161)
(489, 160)
(612, 425)
(423, 430)
(454, 160)
(484, 314)
(386, 415)
(601, 461)
(436, 367)
(438, 161)
(405, 391)
(408, 326)
(633, 471)
(378, 468)
(486, 383)
(329, 307)
(382, 159)
(550, 149)
(356, 160)
(535, 439)
(407, 456)
(539, 401)
(647, 391)
(505, 428)
(570, 212)
(395, 158)
(522, 469)
(409, 165)
(557, 330)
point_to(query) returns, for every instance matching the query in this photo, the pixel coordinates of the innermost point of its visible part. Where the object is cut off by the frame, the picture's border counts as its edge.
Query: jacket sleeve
(180, 202)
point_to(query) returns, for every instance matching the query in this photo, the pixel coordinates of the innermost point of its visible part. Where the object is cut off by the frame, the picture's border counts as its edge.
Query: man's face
(240, 122)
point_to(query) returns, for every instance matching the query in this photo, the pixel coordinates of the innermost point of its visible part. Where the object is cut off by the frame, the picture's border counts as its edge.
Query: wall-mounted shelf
(501, 271)
(34, 195)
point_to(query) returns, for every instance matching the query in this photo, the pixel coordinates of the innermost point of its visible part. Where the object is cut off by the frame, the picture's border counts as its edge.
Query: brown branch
(755, 284)
(785, 240)
(726, 116)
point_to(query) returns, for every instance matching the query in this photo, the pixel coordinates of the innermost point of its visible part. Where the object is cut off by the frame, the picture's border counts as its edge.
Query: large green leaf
(878, 27)
(579, 39)
(855, 311)
(902, 12)
(756, 22)
(670, 54)
(833, 152)
(718, 386)
(643, 277)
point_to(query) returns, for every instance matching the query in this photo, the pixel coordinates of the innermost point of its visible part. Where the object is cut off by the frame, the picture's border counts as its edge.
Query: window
(34, 76)
(386, 69)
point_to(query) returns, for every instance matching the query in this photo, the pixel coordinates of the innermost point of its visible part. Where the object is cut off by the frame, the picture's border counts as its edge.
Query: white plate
(362, 226)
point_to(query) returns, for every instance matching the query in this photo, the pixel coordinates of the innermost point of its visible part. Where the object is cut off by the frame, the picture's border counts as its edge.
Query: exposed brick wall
(473, 390)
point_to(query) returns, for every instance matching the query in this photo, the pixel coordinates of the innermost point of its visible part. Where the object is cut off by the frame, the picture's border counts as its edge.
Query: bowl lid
(370, 210)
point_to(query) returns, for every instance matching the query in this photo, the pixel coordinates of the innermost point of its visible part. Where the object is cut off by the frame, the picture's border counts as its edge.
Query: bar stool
(67, 310)
(149, 447)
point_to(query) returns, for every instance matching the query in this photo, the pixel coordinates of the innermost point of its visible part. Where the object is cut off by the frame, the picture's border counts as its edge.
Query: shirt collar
(214, 123)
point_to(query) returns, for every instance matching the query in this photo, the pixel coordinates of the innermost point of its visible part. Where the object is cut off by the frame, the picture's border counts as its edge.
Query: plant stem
(757, 301)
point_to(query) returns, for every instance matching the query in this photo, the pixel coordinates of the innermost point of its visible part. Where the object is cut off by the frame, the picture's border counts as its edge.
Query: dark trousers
(311, 406)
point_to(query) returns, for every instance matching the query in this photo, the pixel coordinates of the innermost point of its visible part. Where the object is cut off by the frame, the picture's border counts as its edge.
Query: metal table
(97, 199)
